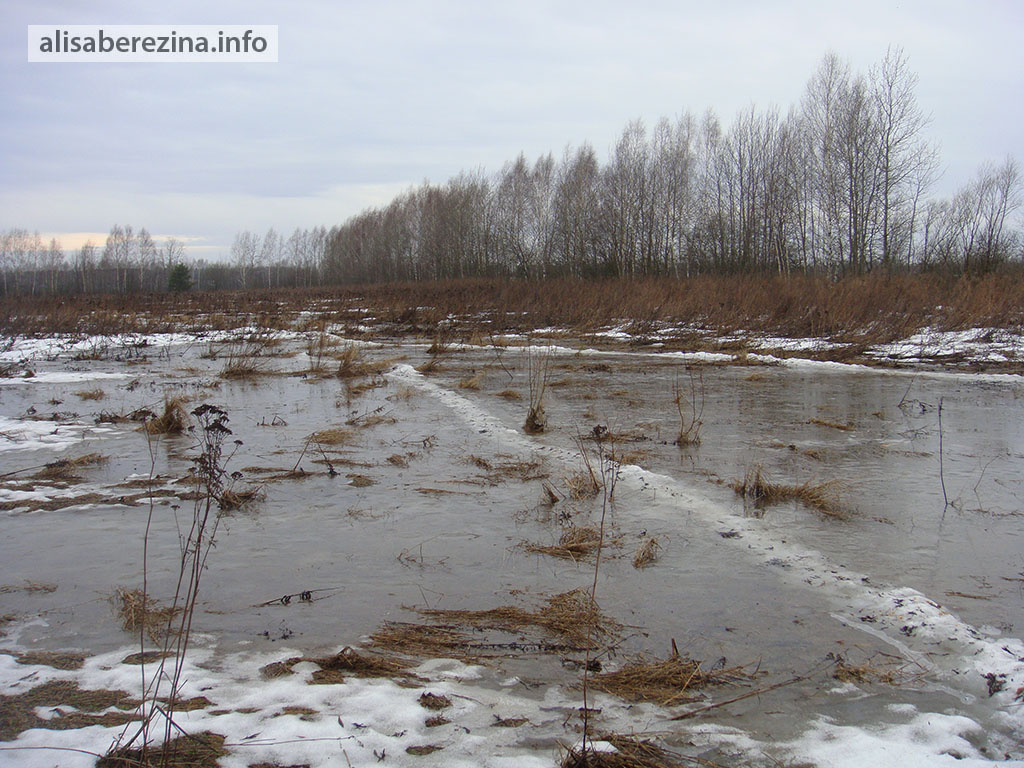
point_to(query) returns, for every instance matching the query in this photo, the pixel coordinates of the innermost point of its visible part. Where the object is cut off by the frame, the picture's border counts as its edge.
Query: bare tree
(906, 161)
(245, 254)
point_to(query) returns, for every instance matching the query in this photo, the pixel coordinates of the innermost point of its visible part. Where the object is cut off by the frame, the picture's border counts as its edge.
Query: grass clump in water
(575, 543)
(139, 611)
(758, 489)
(648, 552)
(173, 421)
(667, 682)
(64, 469)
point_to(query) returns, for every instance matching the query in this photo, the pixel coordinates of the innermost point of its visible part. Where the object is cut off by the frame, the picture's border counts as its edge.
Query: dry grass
(758, 489)
(18, 712)
(648, 552)
(667, 682)
(470, 382)
(505, 467)
(29, 587)
(576, 543)
(538, 365)
(509, 394)
(91, 394)
(434, 701)
(858, 309)
(423, 640)
(201, 750)
(55, 659)
(64, 469)
(568, 616)
(139, 611)
(351, 363)
(173, 421)
(332, 436)
(582, 484)
(631, 752)
(245, 360)
(832, 425)
(888, 672)
(230, 499)
(348, 661)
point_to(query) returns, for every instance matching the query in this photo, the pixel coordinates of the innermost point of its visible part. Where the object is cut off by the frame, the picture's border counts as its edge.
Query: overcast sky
(369, 98)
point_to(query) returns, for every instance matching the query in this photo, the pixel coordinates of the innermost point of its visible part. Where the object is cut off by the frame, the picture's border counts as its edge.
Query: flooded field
(841, 549)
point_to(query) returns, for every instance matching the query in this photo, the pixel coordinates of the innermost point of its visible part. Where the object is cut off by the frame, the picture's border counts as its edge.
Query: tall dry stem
(690, 406)
(538, 364)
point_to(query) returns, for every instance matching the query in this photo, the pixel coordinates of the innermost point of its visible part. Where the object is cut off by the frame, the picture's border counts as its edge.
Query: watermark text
(152, 43)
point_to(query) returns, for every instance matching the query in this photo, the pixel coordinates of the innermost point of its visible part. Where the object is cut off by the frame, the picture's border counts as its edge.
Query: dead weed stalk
(538, 364)
(690, 408)
(197, 540)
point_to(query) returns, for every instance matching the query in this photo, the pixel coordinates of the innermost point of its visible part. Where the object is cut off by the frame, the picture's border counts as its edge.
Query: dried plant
(538, 363)
(690, 406)
(758, 489)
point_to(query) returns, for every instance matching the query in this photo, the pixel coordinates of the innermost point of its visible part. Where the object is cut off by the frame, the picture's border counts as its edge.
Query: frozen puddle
(432, 500)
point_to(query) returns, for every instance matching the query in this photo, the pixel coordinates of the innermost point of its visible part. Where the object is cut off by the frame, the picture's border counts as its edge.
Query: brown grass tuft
(434, 701)
(201, 750)
(173, 421)
(230, 499)
(582, 484)
(352, 365)
(91, 394)
(666, 682)
(632, 752)
(350, 662)
(139, 611)
(648, 553)
(332, 436)
(575, 543)
(245, 360)
(758, 489)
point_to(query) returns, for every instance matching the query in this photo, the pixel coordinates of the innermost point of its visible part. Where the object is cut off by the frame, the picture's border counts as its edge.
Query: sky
(370, 98)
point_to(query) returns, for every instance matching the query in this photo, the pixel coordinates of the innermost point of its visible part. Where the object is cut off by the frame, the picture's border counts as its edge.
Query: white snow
(26, 434)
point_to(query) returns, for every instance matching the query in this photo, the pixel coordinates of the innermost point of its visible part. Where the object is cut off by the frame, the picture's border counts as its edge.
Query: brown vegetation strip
(862, 309)
(55, 659)
(63, 502)
(570, 616)
(18, 712)
(334, 669)
(64, 469)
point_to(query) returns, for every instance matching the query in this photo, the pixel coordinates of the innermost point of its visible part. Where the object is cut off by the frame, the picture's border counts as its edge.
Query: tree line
(837, 185)
(131, 261)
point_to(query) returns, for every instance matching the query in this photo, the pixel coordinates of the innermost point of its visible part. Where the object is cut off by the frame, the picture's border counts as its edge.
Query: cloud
(370, 96)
